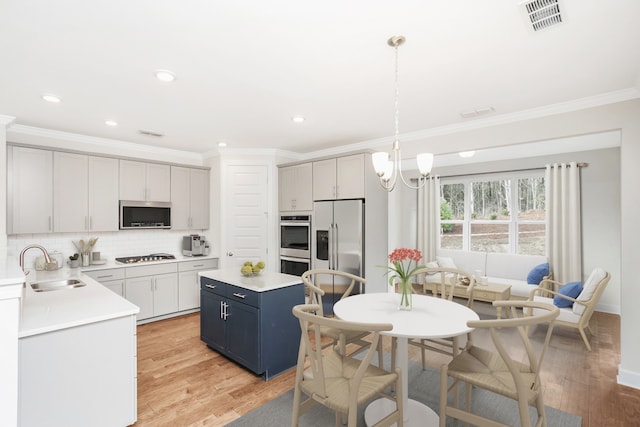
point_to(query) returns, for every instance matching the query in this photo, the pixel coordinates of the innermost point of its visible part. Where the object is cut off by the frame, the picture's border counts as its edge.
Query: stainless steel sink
(56, 285)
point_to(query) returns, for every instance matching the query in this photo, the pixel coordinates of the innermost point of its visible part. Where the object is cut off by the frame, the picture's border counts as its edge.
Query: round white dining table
(430, 317)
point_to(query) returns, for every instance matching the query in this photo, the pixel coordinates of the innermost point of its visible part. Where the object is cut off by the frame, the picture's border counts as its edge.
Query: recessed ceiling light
(165, 75)
(466, 154)
(111, 123)
(51, 98)
(297, 119)
(222, 144)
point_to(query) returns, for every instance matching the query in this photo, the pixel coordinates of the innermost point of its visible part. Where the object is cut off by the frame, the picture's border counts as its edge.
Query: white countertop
(265, 281)
(111, 263)
(10, 272)
(50, 311)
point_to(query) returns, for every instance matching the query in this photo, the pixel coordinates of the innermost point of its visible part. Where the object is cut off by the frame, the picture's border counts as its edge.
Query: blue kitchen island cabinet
(249, 319)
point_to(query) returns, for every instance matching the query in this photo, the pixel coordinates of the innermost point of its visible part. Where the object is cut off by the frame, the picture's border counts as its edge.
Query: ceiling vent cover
(542, 13)
(150, 133)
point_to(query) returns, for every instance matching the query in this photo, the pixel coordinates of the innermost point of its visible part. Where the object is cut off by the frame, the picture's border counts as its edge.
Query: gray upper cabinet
(85, 193)
(103, 194)
(189, 198)
(341, 178)
(29, 190)
(294, 188)
(142, 181)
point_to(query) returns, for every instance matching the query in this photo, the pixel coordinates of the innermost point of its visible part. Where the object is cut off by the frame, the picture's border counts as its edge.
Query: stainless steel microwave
(137, 215)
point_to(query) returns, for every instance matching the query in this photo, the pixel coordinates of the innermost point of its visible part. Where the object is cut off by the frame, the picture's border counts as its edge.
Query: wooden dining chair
(500, 372)
(339, 382)
(448, 279)
(314, 281)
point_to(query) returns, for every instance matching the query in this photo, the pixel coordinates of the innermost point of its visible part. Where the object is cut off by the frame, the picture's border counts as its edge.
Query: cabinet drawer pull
(105, 277)
(210, 286)
(199, 265)
(239, 295)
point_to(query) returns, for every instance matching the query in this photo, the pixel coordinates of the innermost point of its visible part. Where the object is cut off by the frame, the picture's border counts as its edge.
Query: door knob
(229, 253)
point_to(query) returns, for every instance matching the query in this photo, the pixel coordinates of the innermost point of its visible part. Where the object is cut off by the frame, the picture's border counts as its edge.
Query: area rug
(423, 387)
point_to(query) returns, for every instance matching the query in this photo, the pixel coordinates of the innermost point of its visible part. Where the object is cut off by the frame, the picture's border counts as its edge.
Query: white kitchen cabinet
(295, 187)
(85, 193)
(189, 198)
(340, 178)
(188, 283)
(153, 288)
(103, 194)
(112, 278)
(140, 181)
(29, 190)
(79, 376)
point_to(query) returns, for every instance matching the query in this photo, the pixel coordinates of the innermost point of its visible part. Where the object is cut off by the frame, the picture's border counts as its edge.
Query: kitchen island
(77, 352)
(249, 319)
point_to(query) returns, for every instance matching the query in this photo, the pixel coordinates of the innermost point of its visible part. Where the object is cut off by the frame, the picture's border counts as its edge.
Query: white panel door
(247, 214)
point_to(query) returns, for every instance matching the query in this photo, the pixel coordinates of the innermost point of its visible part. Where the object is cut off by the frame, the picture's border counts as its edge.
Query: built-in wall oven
(295, 244)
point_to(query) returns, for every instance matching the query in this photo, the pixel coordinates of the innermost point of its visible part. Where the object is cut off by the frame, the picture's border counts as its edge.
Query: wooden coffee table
(489, 292)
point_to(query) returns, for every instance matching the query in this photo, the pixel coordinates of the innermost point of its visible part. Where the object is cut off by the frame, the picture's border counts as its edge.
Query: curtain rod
(579, 165)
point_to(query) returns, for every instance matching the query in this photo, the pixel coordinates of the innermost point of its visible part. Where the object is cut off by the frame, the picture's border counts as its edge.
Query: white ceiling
(244, 68)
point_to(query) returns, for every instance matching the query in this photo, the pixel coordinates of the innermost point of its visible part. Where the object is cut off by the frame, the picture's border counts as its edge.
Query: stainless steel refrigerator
(338, 244)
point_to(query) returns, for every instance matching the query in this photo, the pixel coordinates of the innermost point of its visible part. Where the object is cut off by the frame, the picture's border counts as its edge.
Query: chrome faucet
(47, 258)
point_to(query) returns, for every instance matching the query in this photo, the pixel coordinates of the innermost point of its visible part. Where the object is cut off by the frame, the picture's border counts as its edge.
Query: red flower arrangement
(402, 271)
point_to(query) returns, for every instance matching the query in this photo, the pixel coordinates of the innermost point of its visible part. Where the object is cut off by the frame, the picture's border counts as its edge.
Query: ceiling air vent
(542, 13)
(150, 133)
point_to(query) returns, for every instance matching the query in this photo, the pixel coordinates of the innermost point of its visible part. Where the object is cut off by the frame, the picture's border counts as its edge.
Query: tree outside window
(505, 214)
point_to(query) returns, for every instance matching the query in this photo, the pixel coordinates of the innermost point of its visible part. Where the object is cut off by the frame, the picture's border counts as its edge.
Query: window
(494, 213)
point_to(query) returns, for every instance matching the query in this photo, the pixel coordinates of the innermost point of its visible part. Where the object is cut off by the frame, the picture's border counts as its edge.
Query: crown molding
(103, 145)
(6, 120)
(533, 113)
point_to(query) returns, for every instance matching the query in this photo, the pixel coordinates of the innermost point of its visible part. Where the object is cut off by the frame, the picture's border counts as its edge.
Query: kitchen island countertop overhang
(265, 281)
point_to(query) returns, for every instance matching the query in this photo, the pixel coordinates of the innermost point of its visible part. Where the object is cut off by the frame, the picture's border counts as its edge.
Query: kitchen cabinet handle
(105, 277)
(243, 296)
(198, 265)
(90, 222)
(49, 222)
(85, 223)
(223, 310)
(210, 286)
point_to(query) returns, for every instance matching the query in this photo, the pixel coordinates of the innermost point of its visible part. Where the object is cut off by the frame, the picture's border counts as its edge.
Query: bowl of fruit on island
(251, 269)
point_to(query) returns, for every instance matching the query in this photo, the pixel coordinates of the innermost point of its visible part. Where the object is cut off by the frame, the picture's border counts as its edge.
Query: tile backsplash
(109, 244)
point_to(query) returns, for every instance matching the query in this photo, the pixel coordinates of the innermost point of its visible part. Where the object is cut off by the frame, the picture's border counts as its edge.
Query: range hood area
(140, 215)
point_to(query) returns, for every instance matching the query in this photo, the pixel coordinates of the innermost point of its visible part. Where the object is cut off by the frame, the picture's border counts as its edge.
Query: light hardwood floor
(183, 383)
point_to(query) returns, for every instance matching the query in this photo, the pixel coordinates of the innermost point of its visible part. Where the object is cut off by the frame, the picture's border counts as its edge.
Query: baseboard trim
(628, 378)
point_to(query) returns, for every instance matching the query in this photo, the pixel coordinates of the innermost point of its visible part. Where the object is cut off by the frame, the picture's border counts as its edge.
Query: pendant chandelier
(388, 170)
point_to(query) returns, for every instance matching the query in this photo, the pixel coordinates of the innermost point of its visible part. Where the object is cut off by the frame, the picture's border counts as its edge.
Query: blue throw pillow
(572, 290)
(537, 273)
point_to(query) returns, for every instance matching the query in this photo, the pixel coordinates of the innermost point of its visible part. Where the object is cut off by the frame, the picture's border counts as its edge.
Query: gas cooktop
(144, 258)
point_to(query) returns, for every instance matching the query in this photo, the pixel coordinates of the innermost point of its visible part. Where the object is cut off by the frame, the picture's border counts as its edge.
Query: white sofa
(506, 269)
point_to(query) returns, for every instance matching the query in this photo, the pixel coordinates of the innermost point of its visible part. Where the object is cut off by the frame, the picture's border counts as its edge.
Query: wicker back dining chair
(314, 280)
(500, 371)
(446, 280)
(339, 382)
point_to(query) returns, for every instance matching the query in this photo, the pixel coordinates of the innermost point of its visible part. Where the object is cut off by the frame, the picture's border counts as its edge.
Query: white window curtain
(564, 237)
(429, 218)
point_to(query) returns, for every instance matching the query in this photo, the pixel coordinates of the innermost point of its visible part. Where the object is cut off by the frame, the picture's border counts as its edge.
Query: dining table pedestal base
(415, 413)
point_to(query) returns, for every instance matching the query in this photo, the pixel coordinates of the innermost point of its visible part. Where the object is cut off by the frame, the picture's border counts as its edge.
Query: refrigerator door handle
(337, 249)
(330, 247)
